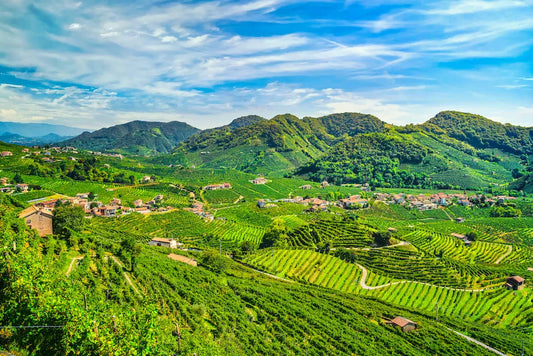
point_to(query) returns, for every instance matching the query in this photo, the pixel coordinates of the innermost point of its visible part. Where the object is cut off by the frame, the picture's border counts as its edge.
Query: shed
(515, 282)
(403, 323)
(164, 242)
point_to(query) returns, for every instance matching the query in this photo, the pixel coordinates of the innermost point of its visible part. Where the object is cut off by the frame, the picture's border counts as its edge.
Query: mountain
(136, 137)
(245, 121)
(32, 141)
(37, 129)
(481, 132)
(278, 145)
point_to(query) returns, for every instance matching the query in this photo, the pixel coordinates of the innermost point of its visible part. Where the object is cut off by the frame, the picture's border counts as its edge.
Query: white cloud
(74, 26)
(511, 86)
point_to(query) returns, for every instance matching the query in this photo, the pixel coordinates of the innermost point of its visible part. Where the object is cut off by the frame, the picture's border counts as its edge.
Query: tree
(471, 235)
(131, 179)
(276, 235)
(68, 220)
(212, 260)
(17, 179)
(91, 196)
(130, 249)
(381, 238)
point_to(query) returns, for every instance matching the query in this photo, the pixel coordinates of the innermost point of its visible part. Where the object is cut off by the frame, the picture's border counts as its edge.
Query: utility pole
(437, 311)
(177, 333)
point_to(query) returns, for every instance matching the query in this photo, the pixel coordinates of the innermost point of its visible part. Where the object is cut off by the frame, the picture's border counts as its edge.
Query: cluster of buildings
(217, 186)
(6, 187)
(324, 184)
(149, 206)
(6, 153)
(198, 209)
(115, 155)
(40, 215)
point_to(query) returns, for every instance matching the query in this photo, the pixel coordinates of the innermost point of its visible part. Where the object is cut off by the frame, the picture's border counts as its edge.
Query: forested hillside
(279, 144)
(481, 132)
(136, 137)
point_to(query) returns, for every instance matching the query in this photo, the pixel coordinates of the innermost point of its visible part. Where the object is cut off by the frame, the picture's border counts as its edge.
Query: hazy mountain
(32, 141)
(37, 129)
(136, 137)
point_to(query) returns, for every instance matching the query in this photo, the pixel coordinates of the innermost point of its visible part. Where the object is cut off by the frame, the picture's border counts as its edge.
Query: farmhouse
(305, 187)
(25, 150)
(22, 186)
(324, 184)
(403, 323)
(39, 219)
(164, 242)
(515, 283)
(146, 179)
(259, 180)
(460, 220)
(217, 186)
(261, 203)
(6, 153)
(4, 181)
(107, 211)
(138, 203)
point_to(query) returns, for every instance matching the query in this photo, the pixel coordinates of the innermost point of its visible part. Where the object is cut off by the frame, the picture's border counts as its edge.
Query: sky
(93, 64)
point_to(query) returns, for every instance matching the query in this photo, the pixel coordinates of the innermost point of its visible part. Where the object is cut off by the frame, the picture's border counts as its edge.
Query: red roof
(518, 279)
(401, 321)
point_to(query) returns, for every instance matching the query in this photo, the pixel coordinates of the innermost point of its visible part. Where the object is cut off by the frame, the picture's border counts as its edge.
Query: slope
(277, 145)
(136, 137)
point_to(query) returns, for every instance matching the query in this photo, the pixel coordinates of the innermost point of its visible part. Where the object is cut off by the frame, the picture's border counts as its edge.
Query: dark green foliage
(212, 260)
(17, 179)
(136, 137)
(276, 235)
(381, 238)
(371, 158)
(481, 132)
(505, 211)
(68, 220)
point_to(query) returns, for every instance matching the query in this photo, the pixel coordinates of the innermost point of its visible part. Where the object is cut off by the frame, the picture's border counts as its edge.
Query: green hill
(481, 132)
(136, 137)
(278, 145)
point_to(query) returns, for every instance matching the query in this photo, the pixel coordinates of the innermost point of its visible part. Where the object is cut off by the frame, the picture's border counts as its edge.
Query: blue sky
(97, 63)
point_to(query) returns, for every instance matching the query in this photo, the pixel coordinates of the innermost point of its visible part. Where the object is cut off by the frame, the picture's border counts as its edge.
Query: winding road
(362, 283)
(504, 255)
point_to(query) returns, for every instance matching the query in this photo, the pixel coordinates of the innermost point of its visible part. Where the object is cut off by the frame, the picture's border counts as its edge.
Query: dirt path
(447, 214)
(238, 199)
(509, 251)
(74, 259)
(126, 275)
(362, 283)
(478, 343)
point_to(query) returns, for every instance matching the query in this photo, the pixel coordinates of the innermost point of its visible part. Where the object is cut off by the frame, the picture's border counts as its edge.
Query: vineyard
(190, 229)
(345, 233)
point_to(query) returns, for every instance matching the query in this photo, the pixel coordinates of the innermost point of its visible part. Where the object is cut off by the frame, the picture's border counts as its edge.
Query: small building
(38, 219)
(4, 181)
(108, 211)
(392, 229)
(261, 203)
(146, 179)
(26, 150)
(115, 202)
(6, 153)
(138, 203)
(82, 195)
(324, 184)
(403, 323)
(458, 236)
(306, 187)
(460, 220)
(163, 242)
(22, 186)
(515, 283)
(259, 180)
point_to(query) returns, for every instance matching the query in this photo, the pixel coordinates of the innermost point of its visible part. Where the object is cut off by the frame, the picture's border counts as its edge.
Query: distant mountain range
(37, 129)
(31, 141)
(136, 137)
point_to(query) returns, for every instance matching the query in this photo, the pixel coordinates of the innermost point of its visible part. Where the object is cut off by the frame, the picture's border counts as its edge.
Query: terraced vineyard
(191, 228)
(435, 243)
(345, 233)
(308, 266)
